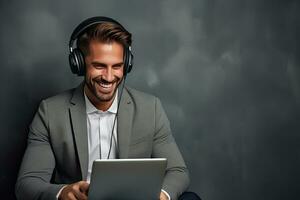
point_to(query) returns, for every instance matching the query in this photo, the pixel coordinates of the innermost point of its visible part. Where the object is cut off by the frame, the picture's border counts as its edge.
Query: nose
(108, 74)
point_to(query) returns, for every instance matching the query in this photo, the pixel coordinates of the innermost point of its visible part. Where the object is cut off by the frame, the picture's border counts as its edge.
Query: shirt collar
(90, 108)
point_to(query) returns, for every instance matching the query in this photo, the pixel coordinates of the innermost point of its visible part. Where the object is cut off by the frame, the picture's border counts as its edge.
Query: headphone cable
(112, 131)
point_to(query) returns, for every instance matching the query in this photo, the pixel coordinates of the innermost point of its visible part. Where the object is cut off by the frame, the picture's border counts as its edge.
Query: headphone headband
(76, 58)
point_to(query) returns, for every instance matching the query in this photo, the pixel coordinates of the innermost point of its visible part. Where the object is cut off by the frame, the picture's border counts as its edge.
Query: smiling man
(104, 72)
(97, 120)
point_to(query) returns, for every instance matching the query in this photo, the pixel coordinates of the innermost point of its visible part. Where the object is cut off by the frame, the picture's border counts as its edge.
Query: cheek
(119, 73)
(89, 75)
(92, 73)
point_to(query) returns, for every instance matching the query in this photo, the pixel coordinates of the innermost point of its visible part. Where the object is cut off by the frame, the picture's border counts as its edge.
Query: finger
(79, 195)
(162, 196)
(77, 192)
(71, 196)
(84, 186)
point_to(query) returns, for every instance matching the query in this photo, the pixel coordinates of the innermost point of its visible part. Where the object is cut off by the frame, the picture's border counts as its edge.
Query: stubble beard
(93, 84)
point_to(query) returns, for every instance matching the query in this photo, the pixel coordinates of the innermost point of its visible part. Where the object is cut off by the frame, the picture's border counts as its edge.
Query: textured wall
(227, 73)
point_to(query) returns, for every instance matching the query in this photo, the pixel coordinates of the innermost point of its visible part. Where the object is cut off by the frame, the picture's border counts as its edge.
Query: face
(104, 72)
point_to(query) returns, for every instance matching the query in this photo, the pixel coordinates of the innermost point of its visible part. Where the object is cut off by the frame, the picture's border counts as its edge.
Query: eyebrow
(103, 64)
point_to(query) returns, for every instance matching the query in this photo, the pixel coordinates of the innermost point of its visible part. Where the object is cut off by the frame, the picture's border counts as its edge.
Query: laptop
(127, 179)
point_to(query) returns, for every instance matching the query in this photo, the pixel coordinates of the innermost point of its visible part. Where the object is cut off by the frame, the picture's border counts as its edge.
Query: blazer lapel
(124, 128)
(78, 119)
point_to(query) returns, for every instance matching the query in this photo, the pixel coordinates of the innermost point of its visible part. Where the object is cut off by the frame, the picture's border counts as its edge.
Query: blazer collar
(125, 119)
(78, 122)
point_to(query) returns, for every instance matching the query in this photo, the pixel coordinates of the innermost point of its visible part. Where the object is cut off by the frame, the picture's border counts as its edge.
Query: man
(98, 119)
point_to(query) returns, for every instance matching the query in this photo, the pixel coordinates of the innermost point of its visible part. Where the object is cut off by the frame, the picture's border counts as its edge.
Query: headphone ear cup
(77, 64)
(128, 61)
(81, 67)
(73, 61)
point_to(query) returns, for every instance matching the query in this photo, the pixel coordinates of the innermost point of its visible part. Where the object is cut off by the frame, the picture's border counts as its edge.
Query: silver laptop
(127, 179)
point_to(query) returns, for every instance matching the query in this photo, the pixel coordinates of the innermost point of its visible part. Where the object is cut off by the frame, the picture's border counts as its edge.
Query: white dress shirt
(102, 133)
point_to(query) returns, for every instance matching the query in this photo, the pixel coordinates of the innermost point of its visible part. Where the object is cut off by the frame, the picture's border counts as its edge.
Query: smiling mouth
(105, 85)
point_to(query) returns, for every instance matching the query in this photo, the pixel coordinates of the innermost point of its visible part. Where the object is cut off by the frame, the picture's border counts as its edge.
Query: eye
(99, 65)
(118, 66)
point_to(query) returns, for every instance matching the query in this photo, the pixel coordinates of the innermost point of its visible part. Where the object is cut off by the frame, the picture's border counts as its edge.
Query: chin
(105, 97)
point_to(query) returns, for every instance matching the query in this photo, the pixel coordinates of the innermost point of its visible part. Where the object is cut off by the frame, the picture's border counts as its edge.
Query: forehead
(98, 48)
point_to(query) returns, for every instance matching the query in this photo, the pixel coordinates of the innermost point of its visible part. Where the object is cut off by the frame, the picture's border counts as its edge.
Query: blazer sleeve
(176, 178)
(38, 162)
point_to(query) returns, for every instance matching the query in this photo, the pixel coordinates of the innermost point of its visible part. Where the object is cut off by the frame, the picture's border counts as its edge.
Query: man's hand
(163, 196)
(75, 191)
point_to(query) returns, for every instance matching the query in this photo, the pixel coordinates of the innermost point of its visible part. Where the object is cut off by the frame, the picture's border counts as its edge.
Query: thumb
(84, 186)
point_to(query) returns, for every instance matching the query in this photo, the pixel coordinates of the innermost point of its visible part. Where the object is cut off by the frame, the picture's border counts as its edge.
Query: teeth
(105, 85)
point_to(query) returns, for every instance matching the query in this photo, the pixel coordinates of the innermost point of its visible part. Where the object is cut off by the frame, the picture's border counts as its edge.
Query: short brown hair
(104, 32)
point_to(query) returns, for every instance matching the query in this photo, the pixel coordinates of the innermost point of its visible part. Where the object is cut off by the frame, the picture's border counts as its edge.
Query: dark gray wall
(227, 73)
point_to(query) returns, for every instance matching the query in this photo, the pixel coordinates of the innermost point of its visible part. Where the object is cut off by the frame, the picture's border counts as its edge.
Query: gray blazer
(57, 150)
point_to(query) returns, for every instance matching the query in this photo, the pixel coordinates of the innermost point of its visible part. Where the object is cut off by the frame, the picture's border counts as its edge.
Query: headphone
(76, 57)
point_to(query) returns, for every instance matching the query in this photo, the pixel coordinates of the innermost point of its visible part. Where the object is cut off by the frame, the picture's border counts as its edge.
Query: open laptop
(127, 179)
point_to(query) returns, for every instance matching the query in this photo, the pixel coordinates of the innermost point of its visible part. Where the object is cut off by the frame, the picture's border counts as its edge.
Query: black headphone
(76, 57)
